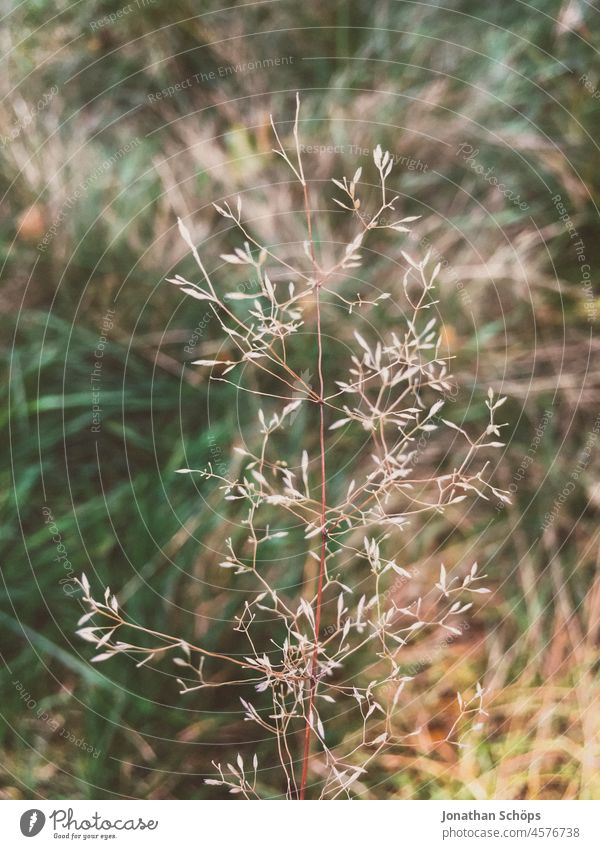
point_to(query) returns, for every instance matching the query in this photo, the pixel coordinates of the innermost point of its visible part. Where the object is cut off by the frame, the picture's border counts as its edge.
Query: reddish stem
(319, 601)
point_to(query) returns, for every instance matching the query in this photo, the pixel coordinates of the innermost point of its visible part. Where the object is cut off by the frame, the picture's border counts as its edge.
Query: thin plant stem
(323, 555)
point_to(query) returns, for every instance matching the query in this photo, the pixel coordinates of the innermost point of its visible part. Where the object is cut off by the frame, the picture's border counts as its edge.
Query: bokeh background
(117, 118)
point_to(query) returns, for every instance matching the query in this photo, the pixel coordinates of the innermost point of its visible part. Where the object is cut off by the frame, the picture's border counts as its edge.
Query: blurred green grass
(419, 80)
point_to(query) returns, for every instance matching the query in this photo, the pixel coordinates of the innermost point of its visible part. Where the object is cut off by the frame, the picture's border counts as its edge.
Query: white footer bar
(357, 824)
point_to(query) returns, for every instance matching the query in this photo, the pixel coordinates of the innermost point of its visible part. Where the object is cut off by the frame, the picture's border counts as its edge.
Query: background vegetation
(99, 165)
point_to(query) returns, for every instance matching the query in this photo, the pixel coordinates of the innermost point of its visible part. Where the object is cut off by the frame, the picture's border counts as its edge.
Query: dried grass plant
(394, 392)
